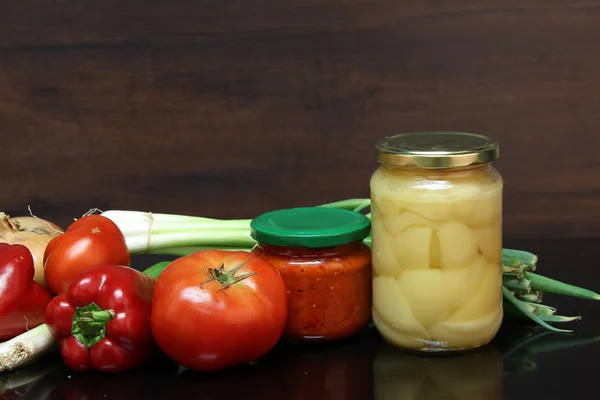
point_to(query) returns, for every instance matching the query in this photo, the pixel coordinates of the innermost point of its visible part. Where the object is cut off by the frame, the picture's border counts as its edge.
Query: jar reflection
(339, 370)
(476, 375)
(333, 371)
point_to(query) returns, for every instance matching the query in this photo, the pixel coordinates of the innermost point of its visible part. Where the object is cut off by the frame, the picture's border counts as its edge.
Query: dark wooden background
(229, 108)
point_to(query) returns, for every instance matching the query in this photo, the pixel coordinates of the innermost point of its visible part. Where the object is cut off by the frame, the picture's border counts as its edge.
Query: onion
(32, 232)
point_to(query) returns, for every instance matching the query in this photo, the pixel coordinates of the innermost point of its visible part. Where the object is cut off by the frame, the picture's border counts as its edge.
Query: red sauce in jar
(328, 289)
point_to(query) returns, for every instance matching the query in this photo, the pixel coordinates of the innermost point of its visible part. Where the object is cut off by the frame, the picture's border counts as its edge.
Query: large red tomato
(89, 242)
(215, 309)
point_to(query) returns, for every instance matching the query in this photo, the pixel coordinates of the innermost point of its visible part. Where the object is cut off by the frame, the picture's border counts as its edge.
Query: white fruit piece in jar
(396, 337)
(386, 204)
(413, 246)
(489, 241)
(485, 298)
(385, 196)
(384, 258)
(394, 191)
(389, 303)
(458, 246)
(395, 224)
(432, 204)
(467, 334)
(433, 294)
(474, 204)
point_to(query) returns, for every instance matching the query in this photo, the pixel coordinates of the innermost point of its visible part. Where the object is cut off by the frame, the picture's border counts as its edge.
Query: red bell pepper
(102, 321)
(22, 300)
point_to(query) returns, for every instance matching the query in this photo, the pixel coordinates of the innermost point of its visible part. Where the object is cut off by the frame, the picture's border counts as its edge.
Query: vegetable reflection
(16, 383)
(335, 370)
(362, 367)
(146, 382)
(521, 343)
(476, 375)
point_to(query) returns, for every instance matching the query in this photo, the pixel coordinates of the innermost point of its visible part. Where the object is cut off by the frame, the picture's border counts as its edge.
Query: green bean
(549, 285)
(515, 284)
(508, 295)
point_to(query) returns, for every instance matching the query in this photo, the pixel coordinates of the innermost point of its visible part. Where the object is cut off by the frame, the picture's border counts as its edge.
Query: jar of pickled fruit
(436, 204)
(325, 266)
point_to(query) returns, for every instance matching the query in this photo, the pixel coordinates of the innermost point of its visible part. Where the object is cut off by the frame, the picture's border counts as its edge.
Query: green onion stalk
(180, 235)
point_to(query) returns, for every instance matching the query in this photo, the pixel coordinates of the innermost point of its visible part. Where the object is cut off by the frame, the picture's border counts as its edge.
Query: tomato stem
(226, 278)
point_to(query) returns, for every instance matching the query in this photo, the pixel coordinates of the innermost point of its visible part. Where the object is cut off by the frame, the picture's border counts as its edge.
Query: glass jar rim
(436, 149)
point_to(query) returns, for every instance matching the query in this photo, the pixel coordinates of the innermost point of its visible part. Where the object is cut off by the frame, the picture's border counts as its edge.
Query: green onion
(549, 285)
(26, 348)
(521, 306)
(173, 234)
(522, 285)
(540, 310)
(559, 318)
(517, 258)
(180, 235)
(531, 297)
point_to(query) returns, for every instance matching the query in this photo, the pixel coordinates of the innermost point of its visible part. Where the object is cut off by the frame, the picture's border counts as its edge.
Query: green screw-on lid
(310, 227)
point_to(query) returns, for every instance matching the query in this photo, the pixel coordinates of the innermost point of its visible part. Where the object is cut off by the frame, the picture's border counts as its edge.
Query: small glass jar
(436, 204)
(325, 266)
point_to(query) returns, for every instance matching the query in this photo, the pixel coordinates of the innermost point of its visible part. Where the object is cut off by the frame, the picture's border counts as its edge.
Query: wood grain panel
(231, 108)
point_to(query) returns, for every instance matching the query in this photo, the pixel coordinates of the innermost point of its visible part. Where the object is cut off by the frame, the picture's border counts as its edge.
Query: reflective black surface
(522, 362)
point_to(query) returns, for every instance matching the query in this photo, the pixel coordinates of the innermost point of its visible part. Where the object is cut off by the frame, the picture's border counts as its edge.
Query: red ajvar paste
(329, 290)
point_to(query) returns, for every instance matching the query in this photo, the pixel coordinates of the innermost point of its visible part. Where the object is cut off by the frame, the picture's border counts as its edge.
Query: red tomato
(206, 315)
(88, 242)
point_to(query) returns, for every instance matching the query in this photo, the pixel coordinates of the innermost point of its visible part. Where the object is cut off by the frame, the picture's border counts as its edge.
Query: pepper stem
(227, 278)
(89, 324)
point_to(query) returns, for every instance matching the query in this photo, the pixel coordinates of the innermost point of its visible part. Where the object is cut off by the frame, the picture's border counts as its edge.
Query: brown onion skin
(34, 233)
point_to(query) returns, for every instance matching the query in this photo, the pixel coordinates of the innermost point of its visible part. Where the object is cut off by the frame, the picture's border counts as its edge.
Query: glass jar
(325, 266)
(436, 204)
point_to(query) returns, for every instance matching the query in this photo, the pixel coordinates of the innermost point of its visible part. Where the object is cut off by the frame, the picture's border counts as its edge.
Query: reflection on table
(362, 367)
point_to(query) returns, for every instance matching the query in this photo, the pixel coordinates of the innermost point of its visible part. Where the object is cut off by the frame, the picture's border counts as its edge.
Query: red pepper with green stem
(102, 321)
(22, 300)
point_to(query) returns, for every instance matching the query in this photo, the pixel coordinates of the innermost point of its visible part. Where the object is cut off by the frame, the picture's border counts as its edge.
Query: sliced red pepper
(22, 300)
(102, 321)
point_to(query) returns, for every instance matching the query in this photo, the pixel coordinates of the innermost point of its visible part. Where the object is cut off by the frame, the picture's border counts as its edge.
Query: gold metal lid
(436, 149)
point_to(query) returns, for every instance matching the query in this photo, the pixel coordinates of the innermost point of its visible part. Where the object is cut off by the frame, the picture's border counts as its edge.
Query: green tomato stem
(227, 278)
